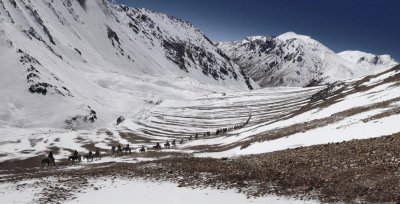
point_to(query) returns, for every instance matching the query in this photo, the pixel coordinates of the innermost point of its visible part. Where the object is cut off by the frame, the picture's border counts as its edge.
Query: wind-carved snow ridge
(291, 59)
(205, 115)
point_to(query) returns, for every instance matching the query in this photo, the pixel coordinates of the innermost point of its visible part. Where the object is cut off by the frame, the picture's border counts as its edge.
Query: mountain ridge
(292, 59)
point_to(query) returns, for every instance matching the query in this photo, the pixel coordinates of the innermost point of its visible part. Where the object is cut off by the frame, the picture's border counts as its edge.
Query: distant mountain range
(297, 60)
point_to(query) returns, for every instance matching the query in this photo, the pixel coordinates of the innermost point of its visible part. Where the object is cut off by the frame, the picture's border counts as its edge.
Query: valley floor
(355, 171)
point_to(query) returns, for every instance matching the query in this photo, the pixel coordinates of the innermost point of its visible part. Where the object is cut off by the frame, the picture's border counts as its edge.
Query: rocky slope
(297, 60)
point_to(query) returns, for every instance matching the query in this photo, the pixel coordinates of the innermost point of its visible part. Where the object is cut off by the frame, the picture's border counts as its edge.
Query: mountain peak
(283, 37)
(289, 35)
(292, 35)
(291, 59)
(368, 60)
(255, 38)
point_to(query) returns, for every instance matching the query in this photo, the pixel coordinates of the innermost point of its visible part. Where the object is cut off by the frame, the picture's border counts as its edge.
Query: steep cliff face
(294, 60)
(64, 61)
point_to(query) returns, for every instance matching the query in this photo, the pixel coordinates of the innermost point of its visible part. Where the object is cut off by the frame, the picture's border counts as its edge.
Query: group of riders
(115, 151)
(166, 145)
(89, 156)
(50, 161)
(119, 149)
(76, 158)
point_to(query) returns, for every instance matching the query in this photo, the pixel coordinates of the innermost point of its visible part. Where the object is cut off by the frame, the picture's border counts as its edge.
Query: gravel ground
(354, 171)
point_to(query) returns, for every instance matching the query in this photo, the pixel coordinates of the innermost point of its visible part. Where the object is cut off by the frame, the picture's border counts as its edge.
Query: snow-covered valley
(280, 119)
(254, 113)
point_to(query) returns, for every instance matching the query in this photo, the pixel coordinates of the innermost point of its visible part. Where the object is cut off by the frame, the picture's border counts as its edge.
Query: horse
(127, 149)
(48, 161)
(113, 150)
(167, 145)
(173, 143)
(181, 142)
(75, 159)
(142, 150)
(157, 147)
(97, 156)
(88, 157)
(118, 152)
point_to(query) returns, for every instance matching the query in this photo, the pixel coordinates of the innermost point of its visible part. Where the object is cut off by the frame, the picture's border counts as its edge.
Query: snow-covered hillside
(357, 109)
(369, 62)
(297, 60)
(176, 119)
(85, 63)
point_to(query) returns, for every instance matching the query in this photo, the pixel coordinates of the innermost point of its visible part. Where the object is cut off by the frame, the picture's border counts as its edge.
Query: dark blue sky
(366, 25)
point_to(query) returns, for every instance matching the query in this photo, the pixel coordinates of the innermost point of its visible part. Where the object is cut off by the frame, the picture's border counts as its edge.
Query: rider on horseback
(49, 160)
(97, 154)
(89, 156)
(75, 153)
(126, 149)
(51, 156)
(173, 142)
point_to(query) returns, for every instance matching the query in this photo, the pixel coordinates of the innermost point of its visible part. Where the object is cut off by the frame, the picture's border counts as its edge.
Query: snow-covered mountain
(297, 60)
(74, 63)
(70, 68)
(370, 62)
